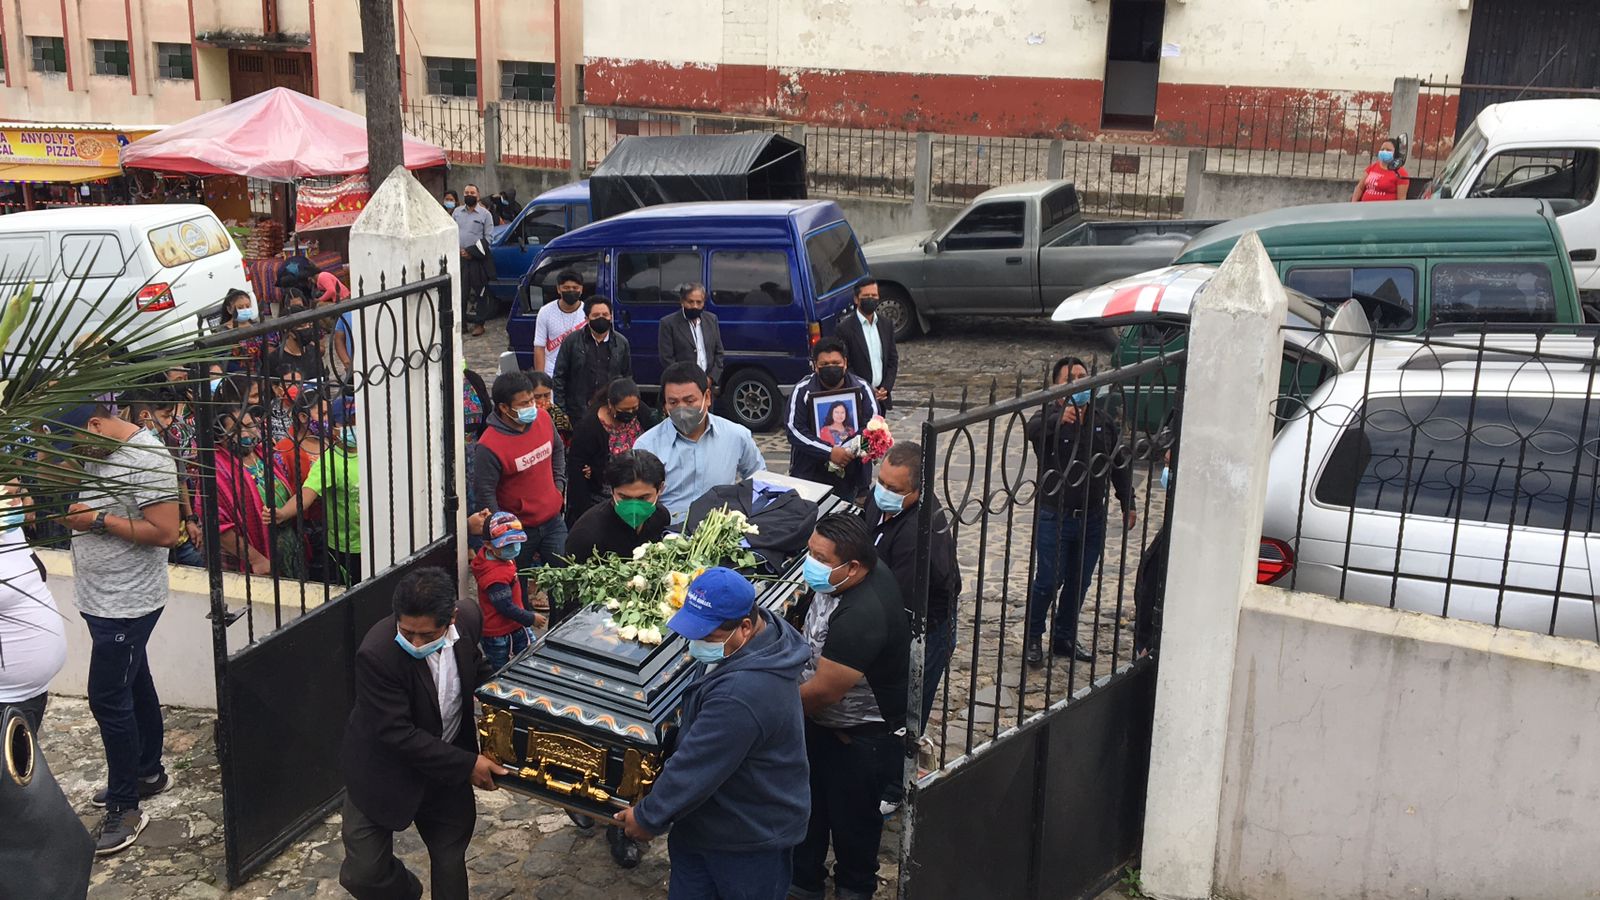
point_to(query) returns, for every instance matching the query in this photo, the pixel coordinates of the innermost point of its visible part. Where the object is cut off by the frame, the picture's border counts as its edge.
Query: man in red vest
(520, 467)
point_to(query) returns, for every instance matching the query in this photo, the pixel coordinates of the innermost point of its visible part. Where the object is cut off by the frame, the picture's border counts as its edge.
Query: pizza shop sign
(63, 147)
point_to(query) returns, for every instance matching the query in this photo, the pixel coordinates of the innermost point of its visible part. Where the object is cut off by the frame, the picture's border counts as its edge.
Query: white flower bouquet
(642, 592)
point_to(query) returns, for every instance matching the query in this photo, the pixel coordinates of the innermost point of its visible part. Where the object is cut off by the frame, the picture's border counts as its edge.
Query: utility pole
(384, 149)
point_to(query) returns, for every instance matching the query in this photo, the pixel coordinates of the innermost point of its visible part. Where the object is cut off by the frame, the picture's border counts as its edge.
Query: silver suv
(1454, 476)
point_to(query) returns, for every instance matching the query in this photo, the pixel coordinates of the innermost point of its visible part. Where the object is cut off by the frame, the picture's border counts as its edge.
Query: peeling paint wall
(1033, 67)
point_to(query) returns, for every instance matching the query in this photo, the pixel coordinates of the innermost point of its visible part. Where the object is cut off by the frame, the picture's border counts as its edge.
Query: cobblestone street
(526, 849)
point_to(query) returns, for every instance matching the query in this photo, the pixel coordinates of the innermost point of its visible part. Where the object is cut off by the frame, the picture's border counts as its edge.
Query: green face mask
(634, 512)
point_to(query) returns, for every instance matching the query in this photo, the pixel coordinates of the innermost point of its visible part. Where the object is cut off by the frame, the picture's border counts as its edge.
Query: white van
(171, 262)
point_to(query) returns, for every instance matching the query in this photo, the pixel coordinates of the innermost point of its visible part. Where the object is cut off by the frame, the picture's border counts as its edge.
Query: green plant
(1132, 885)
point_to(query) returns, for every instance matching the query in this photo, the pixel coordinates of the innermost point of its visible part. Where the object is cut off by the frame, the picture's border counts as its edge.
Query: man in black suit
(869, 344)
(589, 359)
(411, 749)
(691, 334)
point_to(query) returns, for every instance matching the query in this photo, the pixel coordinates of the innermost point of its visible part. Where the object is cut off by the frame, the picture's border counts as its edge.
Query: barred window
(49, 54)
(450, 76)
(358, 72)
(175, 61)
(110, 57)
(527, 81)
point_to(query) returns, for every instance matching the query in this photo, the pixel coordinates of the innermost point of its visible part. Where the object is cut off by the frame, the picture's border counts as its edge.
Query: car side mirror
(931, 248)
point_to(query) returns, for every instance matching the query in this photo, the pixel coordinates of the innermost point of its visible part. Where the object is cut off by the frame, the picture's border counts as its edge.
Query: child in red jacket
(507, 621)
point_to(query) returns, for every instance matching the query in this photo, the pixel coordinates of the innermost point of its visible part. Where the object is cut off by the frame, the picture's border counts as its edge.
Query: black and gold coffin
(583, 718)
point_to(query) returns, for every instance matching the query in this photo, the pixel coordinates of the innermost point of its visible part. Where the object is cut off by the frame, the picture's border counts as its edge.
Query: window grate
(175, 61)
(528, 81)
(49, 55)
(452, 76)
(110, 57)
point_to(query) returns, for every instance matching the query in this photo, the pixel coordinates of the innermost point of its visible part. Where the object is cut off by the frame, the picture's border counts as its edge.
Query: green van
(1416, 264)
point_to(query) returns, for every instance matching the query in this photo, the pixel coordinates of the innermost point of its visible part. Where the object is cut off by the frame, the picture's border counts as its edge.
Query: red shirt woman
(1383, 180)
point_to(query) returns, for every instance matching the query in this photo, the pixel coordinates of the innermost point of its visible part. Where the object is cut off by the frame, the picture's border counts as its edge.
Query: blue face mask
(1082, 398)
(528, 415)
(817, 574)
(348, 433)
(1386, 156)
(887, 500)
(1166, 477)
(507, 553)
(216, 385)
(422, 652)
(247, 314)
(12, 517)
(709, 651)
(449, 204)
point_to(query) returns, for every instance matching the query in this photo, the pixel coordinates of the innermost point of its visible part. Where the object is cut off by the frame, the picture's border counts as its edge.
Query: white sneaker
(887, 809)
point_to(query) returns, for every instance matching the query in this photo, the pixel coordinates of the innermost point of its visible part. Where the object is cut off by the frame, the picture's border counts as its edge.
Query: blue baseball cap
(719, 594)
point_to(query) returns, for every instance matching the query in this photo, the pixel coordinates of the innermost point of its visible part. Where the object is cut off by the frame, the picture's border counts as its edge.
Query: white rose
(640, 551)
(613, 605)
(673, 537)
(751, 529)
(664, 608)
(651, 635)
(627, 632)
(637, 582)
(667, 579)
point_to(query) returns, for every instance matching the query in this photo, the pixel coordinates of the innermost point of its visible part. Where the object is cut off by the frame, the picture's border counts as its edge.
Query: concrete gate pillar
(1235, 358)
(402, 233)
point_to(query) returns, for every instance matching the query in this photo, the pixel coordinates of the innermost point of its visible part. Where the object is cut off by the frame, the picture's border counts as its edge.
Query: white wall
(1380, 753)
(1351, 45)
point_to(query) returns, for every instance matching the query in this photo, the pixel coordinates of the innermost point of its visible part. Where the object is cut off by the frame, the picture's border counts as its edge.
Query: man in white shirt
(410, 753)
(32, 633)
(869, 344)
(692, 334)
(558, 320)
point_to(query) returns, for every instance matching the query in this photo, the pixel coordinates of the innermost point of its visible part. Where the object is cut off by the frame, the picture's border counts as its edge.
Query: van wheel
(896, 306)
(752, 399)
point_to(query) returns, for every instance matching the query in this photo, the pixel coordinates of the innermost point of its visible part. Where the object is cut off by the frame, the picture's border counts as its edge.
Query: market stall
(286, 171)
(48, 166)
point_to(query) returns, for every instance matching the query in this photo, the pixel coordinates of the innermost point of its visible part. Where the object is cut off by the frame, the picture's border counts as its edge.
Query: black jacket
(674, 342)
(808, 453)
(855, 343)
(785, 523)
(896, 541)
(591, 446)
(575, 384)
(1076, 466)
(393, 755)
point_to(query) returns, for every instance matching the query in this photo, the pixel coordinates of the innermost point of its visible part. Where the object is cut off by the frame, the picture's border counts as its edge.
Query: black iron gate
(284, 635)
(1525, 51)
(1030, 777)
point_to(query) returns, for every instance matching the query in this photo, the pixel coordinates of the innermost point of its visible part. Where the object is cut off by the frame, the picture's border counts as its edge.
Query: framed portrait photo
(836, 417)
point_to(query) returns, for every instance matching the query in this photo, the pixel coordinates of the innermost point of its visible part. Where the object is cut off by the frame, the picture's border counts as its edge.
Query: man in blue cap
(736, 791)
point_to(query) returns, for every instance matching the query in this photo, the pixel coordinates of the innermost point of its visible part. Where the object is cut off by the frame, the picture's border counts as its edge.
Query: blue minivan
(516, 244)
(779, 273)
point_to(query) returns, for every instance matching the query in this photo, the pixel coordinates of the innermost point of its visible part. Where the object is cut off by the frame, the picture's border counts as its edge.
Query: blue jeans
(702, 875)
(545, 543)
(187, 554)
(123, 699)
(499, 650)
(937, 646)
(1066, 549)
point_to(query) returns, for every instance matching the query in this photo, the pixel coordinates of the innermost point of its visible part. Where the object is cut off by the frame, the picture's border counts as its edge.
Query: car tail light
(816, 333)
(154, 298)
(1276, 560)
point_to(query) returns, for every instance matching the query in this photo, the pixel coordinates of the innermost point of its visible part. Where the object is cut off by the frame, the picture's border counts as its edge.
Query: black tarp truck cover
(646, 171)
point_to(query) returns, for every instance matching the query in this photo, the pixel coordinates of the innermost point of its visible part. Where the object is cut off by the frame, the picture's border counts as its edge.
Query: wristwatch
(98, 526)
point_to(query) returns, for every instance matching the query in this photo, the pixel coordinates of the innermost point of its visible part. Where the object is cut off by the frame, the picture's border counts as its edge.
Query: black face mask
(599, 326)
(571, 298)
(471, 200)
(306, 335)
(692, 312)
(868, 306)
(623, 417)
(831, 376)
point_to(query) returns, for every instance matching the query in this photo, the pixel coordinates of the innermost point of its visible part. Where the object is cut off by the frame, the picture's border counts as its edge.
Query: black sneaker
(625, 850)
(148, 787)
(118, 830)
(1034, 655)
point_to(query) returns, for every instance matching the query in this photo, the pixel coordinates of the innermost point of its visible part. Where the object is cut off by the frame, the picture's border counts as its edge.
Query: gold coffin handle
(567, 788)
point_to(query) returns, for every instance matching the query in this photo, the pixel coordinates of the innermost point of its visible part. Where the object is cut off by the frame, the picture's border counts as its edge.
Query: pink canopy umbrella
(278, 135)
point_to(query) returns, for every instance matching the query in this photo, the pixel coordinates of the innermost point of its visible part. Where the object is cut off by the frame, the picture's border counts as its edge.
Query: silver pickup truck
(1017, 250)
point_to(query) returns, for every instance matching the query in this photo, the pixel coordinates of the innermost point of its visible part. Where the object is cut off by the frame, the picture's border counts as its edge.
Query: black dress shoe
(1034, 655)
(1073, 649)
(625, 850)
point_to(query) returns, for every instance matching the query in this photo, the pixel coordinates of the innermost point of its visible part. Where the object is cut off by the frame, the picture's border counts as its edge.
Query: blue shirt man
(700, 450)
(736, 792)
